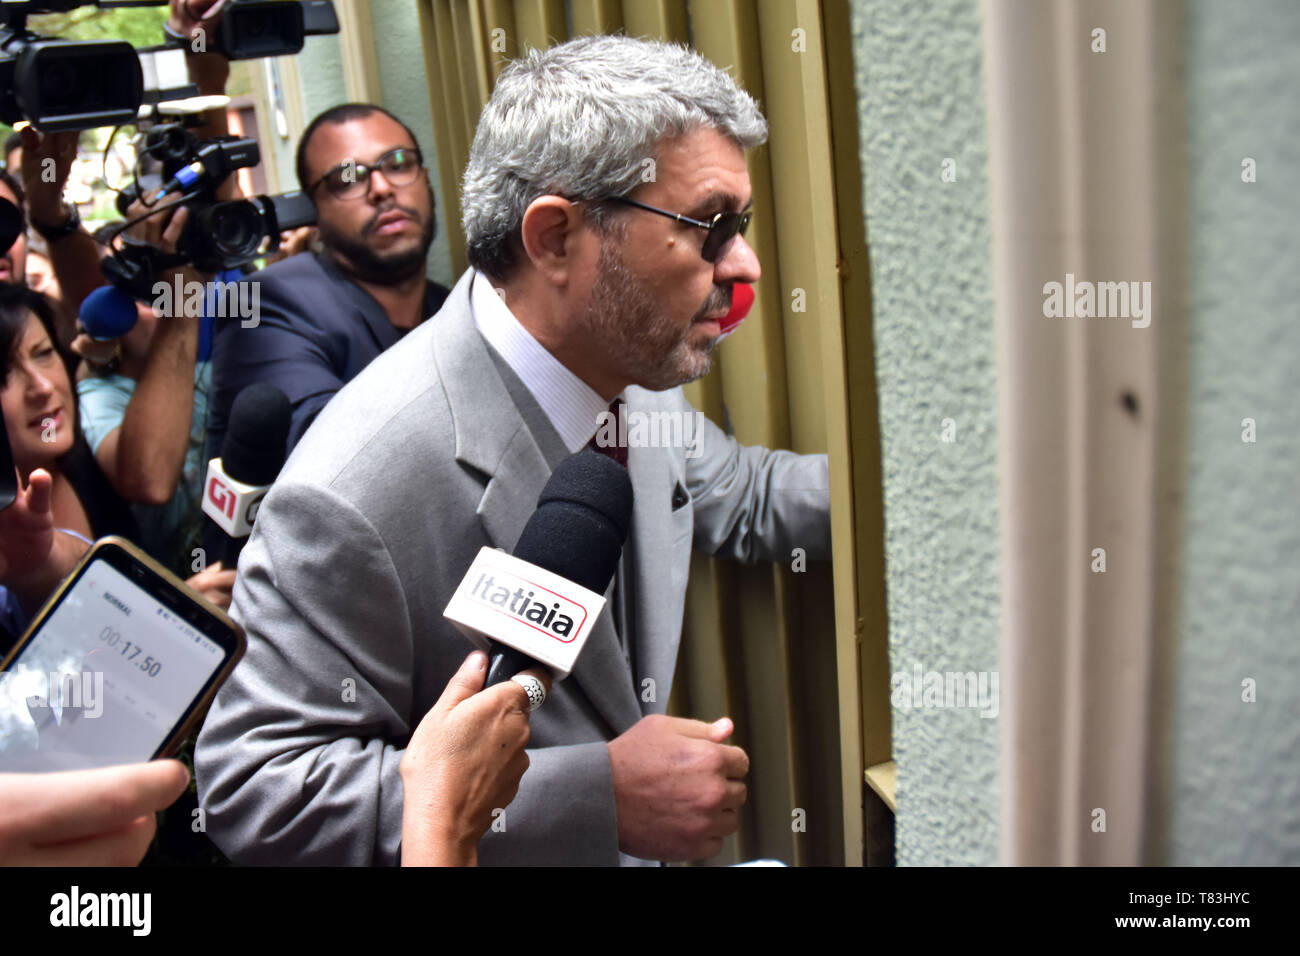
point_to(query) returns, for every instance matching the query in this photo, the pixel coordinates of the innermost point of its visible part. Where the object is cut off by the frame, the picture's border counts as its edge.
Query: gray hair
(580, 120)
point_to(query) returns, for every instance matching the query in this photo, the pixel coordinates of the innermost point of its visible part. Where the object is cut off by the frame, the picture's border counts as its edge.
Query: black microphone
(217, 159)
(577, 533)
(252, 454)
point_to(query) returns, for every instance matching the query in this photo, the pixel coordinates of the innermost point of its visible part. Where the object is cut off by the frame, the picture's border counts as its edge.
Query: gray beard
(648, 349)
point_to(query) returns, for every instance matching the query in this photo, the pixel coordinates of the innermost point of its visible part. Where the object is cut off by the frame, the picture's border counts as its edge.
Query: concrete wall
(1236, 765)
(321, 84)
(921, 101)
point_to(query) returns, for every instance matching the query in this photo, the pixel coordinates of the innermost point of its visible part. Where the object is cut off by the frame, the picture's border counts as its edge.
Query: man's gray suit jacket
(434, 451)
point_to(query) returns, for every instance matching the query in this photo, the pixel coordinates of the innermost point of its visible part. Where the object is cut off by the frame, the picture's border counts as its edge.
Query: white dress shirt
(572, 406)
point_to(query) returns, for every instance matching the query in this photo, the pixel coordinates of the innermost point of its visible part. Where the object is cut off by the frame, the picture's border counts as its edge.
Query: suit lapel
(502, 433)
(659, 548)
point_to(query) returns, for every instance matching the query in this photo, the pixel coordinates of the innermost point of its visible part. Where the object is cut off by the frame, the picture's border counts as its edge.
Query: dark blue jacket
(315, 331)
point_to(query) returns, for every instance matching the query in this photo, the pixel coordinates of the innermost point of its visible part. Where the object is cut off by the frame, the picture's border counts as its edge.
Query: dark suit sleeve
(285, 345)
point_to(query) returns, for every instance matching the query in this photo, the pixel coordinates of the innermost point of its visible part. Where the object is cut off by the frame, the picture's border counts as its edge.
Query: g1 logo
(222, 497)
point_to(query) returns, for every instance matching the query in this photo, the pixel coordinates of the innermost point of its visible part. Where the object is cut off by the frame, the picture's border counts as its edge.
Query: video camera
(61, 85)
(220, 234)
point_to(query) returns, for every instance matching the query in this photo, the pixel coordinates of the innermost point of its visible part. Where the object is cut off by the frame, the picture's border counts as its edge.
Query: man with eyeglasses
(605, 203)
(323, 317)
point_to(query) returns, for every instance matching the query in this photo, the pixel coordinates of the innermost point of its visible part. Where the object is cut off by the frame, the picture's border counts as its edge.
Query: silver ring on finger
(533, 688)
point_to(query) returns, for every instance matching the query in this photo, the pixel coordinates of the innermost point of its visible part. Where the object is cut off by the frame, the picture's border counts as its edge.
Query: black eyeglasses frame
(365, 169)
(722, 228)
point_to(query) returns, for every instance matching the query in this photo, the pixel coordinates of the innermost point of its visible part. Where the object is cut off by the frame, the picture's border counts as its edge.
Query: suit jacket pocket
(681, 498)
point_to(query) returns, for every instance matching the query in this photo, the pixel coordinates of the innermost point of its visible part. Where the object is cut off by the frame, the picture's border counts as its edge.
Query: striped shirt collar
(572, 406)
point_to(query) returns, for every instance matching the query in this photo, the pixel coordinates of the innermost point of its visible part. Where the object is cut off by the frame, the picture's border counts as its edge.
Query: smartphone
(118, 666)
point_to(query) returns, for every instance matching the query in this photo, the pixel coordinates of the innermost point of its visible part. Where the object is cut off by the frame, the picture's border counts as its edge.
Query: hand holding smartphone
(115, 669)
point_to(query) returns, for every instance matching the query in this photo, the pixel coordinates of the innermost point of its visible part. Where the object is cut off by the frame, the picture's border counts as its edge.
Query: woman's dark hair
(16, 303)
(106, 512)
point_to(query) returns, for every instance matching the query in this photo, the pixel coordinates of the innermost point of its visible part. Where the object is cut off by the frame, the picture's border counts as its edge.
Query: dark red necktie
(616, 449)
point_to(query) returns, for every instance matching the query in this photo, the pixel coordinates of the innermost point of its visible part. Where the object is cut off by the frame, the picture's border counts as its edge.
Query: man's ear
(549, 233)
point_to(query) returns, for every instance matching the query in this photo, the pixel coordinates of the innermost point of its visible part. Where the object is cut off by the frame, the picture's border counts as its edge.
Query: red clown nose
(742, 300)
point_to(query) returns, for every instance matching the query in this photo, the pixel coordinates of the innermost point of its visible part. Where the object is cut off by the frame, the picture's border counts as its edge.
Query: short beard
(365, 263)
(643, 344)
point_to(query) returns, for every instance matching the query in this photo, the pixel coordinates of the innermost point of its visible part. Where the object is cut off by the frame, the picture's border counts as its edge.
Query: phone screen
(112, 671)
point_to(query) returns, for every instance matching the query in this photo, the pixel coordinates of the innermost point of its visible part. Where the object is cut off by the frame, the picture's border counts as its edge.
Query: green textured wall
(1236, 765)
(320, 76)
(921, 101)
(396, 27)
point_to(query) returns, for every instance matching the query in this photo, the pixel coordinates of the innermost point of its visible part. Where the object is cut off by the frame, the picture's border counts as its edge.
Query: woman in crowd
(63, 499)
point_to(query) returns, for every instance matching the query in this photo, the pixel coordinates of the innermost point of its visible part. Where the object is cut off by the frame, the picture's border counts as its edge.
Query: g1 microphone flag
(542, 602)
(252, 455)
(231, 504)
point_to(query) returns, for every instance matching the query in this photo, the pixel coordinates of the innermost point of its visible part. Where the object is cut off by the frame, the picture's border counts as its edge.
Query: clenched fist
(677, 787)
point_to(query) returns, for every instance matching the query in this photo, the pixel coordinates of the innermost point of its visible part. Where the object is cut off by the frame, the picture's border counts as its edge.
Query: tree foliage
(139, 26)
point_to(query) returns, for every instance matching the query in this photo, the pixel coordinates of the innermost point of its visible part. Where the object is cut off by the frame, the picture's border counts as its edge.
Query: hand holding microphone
(464, 761)
(677, 785)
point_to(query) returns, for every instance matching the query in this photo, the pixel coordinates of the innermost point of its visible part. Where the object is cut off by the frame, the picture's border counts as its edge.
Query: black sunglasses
(351, 180)
(722, 228)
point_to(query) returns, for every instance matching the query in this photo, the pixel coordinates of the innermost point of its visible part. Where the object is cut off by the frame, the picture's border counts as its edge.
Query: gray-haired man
(604, 201)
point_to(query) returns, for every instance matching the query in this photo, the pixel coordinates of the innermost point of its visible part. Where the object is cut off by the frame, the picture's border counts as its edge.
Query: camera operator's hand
(74, 256)
(198, 20)
(47, 163)
(195, 19)
(163, 231)
(293, 242)
(208, 69)
(144, 458)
